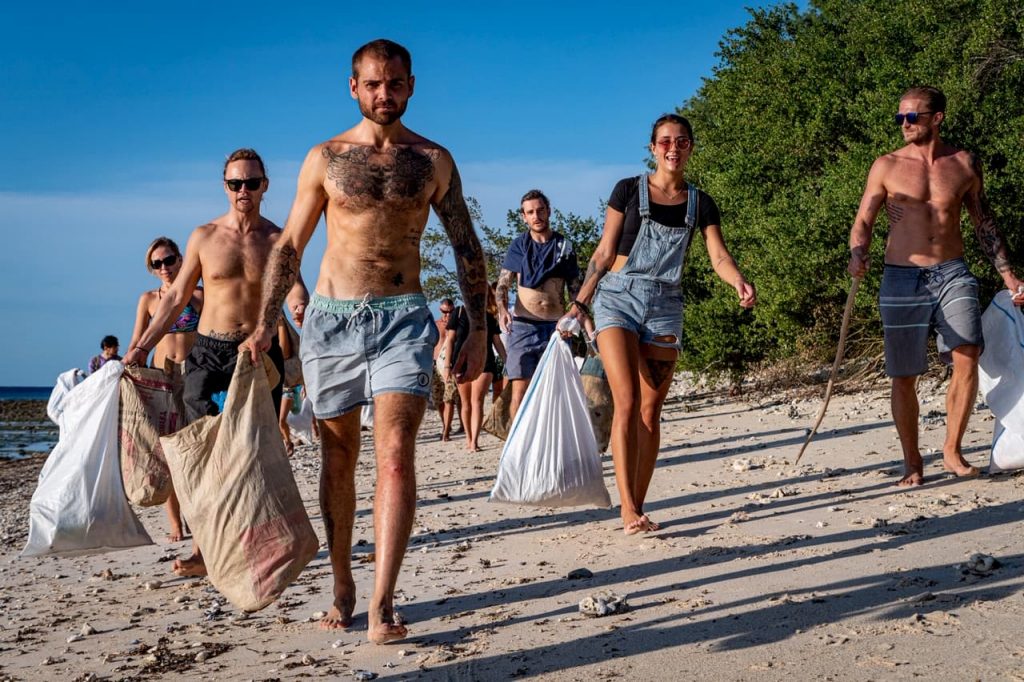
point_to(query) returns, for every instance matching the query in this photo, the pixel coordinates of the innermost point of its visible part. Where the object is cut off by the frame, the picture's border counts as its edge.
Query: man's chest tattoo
(362, 173)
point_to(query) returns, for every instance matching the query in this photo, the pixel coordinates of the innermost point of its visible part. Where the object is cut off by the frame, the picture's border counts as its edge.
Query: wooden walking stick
(847, 313)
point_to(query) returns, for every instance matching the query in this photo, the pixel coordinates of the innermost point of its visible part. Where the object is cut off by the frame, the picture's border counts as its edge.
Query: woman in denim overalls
(638, 305)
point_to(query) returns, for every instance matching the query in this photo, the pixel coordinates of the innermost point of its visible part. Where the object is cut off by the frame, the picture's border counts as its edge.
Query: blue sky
(114, 123)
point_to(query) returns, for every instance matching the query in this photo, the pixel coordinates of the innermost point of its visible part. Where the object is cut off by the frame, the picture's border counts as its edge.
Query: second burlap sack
(151, 407)
(236, 488)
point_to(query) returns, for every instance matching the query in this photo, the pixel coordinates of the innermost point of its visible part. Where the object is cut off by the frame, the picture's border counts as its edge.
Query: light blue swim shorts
(354, 350)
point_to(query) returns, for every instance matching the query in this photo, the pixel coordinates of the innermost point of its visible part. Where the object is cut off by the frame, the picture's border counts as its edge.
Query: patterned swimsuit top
(188, 321)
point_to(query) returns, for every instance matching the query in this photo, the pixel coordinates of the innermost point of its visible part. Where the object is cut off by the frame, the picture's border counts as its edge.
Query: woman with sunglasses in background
(633, 281)
(163, 259)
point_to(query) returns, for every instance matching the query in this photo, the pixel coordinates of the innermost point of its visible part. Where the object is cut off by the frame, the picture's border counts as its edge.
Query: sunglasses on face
(667, 143)
(446, 312)
(251, 184)
(910, 117)
(169, 262)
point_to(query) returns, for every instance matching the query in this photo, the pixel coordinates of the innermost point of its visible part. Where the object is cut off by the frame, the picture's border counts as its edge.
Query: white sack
(550, 458)
(1001, 379)
(65, 382)
(301, 424)
(366, 417)
(79, 506)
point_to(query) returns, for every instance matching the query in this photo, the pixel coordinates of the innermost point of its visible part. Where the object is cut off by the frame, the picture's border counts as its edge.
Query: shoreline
(762, 570)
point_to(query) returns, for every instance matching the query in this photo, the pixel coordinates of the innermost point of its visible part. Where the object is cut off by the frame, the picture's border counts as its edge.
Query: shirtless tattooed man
(542, 263)
(230, 255)
(368, 333)
(926, 283)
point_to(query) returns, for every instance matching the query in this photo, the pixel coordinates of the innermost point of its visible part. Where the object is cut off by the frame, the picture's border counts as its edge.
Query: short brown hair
(244, 154)
(157, 243)
(384, 49)
(935, 98)
(534, 194)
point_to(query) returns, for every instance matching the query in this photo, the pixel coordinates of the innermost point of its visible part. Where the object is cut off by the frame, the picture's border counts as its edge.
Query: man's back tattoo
(363, 173)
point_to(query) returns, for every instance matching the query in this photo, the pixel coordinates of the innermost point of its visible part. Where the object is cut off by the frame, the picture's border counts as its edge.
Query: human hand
(1016, 288)
(298, 312)
(135, 356)
(504, 319)
(859, 263)
(747, 293)
(256, 343)
(470, 360)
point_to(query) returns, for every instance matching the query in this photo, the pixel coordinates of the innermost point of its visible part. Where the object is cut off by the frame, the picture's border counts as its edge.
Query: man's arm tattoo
(282, 271)
(505, 281)
(992, 243)
(469, 257)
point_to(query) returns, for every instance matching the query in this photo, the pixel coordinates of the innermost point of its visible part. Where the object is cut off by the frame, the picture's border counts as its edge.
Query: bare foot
(383, 626)
(176, 535)
(957, 465)
(639, 524)
(651, 525)
(194, 566)
(337, 618)
(911, 479)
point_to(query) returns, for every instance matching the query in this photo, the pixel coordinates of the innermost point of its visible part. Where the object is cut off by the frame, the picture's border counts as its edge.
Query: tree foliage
(787, 127)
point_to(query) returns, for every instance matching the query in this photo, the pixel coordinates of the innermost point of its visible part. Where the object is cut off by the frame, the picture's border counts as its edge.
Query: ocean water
(25, 392)
(19, 439)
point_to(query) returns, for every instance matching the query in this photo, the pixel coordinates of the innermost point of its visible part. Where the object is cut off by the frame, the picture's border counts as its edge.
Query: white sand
(819, 571)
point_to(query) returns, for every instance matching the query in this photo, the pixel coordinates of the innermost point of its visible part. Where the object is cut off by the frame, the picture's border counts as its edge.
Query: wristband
(582, 306)
(144, 350)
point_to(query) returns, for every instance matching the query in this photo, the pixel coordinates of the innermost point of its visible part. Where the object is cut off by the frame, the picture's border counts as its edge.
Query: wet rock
(201, 656)
(364, 675)
(308, 660)
(153, 584)
(87, 630)
(784, 492)
(579, 574)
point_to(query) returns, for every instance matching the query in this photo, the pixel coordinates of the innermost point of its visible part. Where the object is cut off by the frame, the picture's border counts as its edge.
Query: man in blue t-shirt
(542, 263)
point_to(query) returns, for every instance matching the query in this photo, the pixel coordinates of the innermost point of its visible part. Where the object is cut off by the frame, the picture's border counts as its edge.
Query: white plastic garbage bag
(79, 506)
(550, 458)
(65, 382)
(366, 417)
(301, 424)
(1001, 379)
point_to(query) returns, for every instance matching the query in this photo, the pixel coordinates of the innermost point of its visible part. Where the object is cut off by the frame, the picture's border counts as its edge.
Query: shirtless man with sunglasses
(925, 283)
(369, 334)
(230, 255)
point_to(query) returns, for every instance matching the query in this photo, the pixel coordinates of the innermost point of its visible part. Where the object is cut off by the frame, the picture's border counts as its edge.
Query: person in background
(472, 393)
(163, 260)
(108, 351)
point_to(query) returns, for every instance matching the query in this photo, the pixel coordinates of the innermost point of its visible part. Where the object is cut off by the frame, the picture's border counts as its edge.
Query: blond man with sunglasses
(926, 285)
(230, 255)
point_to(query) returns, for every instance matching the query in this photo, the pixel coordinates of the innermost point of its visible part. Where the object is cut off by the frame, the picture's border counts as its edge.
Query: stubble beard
(382, 118)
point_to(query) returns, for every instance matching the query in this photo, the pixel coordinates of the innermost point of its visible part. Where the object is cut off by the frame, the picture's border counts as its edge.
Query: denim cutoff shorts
(646, 307)
(354, 350)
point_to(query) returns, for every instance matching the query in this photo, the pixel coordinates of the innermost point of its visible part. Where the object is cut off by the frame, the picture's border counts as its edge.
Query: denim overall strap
(645, 197)
(691, 206)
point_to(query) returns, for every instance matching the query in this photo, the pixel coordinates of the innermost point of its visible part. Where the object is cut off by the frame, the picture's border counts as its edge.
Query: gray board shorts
(354, 350)
(913, 301)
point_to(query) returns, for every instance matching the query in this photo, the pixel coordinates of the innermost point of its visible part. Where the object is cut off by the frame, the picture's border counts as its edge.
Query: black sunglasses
(169, 262)
(911, 117)
(251, 184)
(446, 312)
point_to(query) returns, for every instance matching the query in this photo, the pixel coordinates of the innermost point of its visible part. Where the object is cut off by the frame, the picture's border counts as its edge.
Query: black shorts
(208, 370)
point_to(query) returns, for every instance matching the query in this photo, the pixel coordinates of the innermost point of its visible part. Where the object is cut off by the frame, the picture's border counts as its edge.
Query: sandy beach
(763, 569)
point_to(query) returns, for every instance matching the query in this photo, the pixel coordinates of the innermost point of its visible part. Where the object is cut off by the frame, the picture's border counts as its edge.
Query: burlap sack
(151, 406)
(599, 400)
(236, 488)
(498, 420)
